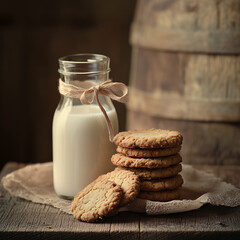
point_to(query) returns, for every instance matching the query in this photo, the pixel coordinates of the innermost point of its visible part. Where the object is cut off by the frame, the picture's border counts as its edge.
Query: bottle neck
(82, 67)
(68, 78)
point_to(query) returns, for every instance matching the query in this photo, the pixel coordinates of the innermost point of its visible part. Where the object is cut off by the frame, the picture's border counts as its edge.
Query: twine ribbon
(87, 91)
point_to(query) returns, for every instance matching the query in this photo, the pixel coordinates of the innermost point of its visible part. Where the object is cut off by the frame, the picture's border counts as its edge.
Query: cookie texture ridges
(148, 138)
(148, 163)
(121, 160)
(145, 173)
(161, 196)
(161, 184)
(151, 153)
(127, 180)
(96, 200)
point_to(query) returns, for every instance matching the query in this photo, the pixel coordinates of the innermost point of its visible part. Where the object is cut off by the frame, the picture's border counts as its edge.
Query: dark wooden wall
(33, 35)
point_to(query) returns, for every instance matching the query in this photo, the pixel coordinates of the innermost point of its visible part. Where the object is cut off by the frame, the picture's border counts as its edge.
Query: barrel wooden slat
(185, 75)
(229, 14)
(208, 15)
(187, 41)
(192, 26)
(189, 14)
(186, 109)
(192, 76)
(212, 77)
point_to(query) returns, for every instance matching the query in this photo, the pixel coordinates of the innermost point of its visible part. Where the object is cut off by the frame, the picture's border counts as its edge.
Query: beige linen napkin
(35, 183)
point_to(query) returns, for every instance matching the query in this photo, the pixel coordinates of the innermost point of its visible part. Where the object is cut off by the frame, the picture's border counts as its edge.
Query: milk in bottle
(81, 146)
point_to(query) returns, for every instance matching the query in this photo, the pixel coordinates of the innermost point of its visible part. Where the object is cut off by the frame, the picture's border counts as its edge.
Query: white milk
(81, 147)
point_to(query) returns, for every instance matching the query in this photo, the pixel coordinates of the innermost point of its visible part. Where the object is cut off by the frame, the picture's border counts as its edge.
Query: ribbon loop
(87, 91)
(87, 96)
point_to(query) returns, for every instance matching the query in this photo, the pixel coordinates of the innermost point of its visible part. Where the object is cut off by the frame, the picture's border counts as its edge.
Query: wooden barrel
(185, 75)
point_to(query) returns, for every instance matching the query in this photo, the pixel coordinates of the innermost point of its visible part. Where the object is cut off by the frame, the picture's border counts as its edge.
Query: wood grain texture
(20, 219)
(179, 107)
(196, 94)
(209, 26)
(184, 77)
(173, 40)
(193, 86)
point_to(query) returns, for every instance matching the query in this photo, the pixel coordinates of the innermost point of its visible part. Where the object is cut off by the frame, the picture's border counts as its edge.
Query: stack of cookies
(148, 163)
(153, 155)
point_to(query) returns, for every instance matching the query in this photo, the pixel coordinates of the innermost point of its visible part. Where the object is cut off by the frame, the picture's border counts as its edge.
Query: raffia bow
(87, 91)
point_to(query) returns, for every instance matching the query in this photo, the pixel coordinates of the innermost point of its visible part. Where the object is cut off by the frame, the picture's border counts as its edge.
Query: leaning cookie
(96, 200)
(161, 196)
(148, 138)
(152, 153)
(127, 180)
(145, 173)
(161, 184)
(121, 160)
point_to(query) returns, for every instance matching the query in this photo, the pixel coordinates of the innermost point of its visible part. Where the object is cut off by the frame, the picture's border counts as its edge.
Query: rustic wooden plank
(207, 14)
(212, 222)
(18, 215)
(183, 14)
(206, 83)
(20, 219)
(24, 216)
(222, 85)
(125, 225)
(193, 76)
(229, 14)
(204, 223)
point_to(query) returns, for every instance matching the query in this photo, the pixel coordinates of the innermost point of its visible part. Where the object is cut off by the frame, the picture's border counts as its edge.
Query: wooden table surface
(21, 219)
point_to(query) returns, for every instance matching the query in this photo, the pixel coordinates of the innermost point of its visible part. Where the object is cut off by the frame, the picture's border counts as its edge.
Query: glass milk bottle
(81, 147)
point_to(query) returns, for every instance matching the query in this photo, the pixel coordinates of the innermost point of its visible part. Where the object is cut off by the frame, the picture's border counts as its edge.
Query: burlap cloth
(35, 183)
